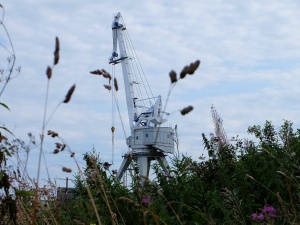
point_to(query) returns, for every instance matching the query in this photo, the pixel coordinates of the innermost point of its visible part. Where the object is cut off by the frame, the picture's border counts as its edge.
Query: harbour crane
(151, 138)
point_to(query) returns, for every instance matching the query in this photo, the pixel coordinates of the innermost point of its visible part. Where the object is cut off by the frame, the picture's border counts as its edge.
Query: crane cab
(158, 138)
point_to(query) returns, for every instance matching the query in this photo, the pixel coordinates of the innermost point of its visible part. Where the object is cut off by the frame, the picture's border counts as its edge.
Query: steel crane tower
(150, 139)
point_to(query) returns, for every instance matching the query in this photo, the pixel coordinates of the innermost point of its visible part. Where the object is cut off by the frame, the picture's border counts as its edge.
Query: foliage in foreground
(242, 183)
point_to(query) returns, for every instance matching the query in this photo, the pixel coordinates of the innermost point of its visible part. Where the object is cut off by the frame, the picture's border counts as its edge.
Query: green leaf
(4, 128)
(24, 193)
(1, 176)
(7, 152)
(4, 105)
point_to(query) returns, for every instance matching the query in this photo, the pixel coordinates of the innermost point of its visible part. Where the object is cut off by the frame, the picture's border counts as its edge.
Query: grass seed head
(186, 110)
(107, 76)
(49, 72)
(97, 72)
(72, 154)
(56, 151)
(108, 87)
(63, 147)
(67, 170)
(116, 84)
(106, 165)
(173, 76)
(195, 65)
(103, 71)
(69, 94)
(190, 70)
(52, 133)
(56, 51)
(184, 72)
(58, 145)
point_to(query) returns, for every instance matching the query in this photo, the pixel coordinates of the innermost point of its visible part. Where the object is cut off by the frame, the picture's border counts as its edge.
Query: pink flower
(269, 211)
(146, 201)
(260, 216)
(254, 216)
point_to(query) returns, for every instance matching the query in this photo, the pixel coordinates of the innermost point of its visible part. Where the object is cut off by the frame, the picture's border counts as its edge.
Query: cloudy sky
(249, 52)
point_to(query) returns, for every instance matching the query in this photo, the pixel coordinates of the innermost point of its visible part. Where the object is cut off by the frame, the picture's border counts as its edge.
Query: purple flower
(260, 216)
(257, 216)
(167, 174)
(254, 216)
(269, 211)
(146, 201)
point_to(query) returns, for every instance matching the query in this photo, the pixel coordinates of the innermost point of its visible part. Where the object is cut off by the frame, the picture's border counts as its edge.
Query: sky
(249, 53)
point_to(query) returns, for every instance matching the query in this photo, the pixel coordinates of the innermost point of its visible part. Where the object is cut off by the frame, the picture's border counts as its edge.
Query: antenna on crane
(150, 139)
(220, 137)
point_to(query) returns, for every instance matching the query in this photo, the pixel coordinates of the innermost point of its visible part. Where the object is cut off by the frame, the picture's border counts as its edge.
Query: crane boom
(117, 34)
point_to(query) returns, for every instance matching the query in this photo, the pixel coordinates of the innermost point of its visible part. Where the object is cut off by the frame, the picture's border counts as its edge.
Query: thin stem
(41, 151)
(12, 53)
(51, 115)
(89, 192)
(169, 205)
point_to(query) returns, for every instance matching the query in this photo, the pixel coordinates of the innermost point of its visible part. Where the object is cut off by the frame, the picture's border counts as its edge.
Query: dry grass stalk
(170, 205)
(72, 154)
(103, 190)
(155, 217)
(69, 94)
(78, 222)
(127, 200)
(186, 110)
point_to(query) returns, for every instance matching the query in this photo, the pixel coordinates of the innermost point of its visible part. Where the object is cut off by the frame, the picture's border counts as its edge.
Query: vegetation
(243, 182)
